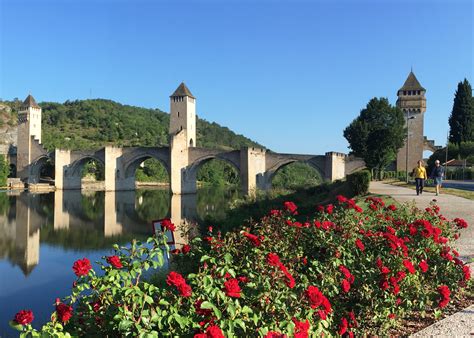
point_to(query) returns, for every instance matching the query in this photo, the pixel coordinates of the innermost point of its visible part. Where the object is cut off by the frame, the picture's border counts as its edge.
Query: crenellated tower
(412, 101)
(29, 135)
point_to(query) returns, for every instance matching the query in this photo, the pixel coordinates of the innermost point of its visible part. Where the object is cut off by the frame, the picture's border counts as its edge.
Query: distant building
(412, 101)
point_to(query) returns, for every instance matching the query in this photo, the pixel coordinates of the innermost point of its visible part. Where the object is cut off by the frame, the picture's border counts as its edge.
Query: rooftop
(182, 90)
(30, 102)
(412, 83)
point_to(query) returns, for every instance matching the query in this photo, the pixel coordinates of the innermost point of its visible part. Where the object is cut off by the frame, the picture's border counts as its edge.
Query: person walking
(419, 172)
(438, 174)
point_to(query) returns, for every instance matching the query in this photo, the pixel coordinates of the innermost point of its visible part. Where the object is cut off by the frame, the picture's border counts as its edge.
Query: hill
(90, 124)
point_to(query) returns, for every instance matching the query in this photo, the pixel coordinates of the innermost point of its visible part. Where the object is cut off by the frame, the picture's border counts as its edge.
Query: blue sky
(288, 74)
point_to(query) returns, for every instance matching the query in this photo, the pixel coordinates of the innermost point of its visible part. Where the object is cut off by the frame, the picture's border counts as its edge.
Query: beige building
(412, 101)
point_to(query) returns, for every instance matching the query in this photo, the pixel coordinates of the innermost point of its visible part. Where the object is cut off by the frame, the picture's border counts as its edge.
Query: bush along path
(342, 270)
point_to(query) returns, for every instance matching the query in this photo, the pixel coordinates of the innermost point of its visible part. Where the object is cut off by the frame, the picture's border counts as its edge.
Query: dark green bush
(359, 182)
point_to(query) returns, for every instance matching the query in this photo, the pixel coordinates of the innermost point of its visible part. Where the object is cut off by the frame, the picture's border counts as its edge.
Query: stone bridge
(182, 159)
(256, 166)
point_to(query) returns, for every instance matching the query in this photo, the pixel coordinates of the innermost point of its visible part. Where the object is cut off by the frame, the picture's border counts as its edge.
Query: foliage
(377, 133)
(461, 121)
(152, 171)
(339, 270)
(218, 172)
(4, 170)
(296, 175)
(464, 150)
(359, 182)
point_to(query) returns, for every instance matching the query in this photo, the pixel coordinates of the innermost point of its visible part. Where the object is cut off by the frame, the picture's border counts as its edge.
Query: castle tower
(183, 114)
(412, 101)
(29, 131)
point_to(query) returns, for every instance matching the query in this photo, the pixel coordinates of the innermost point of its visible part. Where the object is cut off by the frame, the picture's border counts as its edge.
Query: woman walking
(419, 172)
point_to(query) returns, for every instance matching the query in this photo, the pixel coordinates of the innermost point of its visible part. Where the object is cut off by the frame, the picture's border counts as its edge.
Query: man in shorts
(438, 174)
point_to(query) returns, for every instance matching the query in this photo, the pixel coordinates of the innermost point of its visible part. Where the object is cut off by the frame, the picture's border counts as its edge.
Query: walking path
(451, 207)
(461, 324)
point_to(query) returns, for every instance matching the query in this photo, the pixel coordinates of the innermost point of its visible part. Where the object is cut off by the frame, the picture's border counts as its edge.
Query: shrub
(340, 270)
(4, 170)
(359, 182)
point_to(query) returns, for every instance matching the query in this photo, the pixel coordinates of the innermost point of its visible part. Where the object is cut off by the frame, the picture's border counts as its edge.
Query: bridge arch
(75, 169)
(271, 173)
(189, 177)
(36, 168)
(133, 164)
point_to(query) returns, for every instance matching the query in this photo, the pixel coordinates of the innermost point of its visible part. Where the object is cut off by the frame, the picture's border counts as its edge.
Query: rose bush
(342, 270)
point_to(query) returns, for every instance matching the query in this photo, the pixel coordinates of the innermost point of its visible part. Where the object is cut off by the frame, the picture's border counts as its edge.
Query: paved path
(461, 324)
(451, 207)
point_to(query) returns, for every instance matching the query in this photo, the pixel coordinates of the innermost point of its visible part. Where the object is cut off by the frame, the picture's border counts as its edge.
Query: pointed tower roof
(412, 83)
(30, 102)
(182, 90)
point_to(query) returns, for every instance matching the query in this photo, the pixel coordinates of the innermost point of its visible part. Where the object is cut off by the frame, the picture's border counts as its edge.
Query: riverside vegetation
(355, 266)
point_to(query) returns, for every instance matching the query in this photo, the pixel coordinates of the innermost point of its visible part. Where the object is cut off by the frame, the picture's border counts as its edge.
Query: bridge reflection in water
(71, 220)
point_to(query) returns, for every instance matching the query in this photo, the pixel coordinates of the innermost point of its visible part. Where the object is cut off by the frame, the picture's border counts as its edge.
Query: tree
(377, 134)
(461, 121)
(4, 170)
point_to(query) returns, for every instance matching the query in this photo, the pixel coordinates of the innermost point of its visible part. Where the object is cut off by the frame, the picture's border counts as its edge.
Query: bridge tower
(412, 101)
(182, 134)
(183, 114)
(29, 135)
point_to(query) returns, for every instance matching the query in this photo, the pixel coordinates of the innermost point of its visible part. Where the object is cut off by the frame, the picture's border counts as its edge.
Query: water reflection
(42, 234)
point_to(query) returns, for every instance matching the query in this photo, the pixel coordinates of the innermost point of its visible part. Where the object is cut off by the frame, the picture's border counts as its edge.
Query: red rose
(460, 223)
(467, 272)
(291, 207)
(166, 223)
(254, 239)
(346, 286)
(115, 262)
(214, 331)
(423, 266)
(341, 199)
(359, 244)
(186, 248)
(301, 328)
(82, 267)
(409, 266)
(445, 293)
(232, 288)
(329, 208)
(175, 279)
(184, 290)
(63, 312)
(316, 299)
(392, 207)
(24, 317)
(273, 259)
(343, 326)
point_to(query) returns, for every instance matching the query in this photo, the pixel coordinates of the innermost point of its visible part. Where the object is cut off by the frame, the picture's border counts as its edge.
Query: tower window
(178, 114)
(404, 92)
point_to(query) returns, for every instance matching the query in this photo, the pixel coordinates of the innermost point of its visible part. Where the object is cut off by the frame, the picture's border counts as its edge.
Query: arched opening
(42, 171)
(85, 173)
(92, 174)
(149, 171)
(191, 143)
(295, 175)
(217, 172)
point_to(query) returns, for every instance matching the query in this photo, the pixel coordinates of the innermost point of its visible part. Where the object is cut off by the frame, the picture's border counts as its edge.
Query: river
(42, 234)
